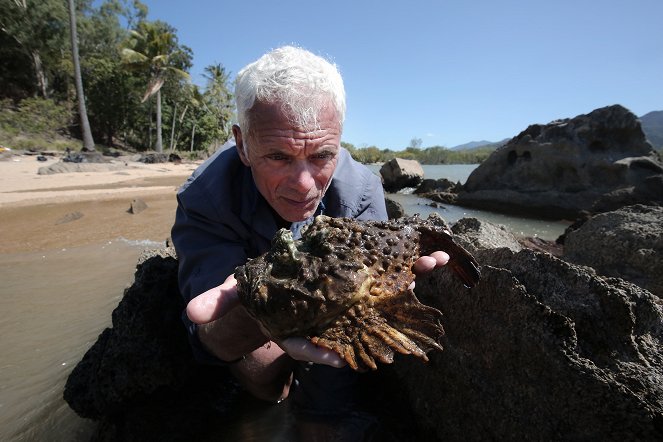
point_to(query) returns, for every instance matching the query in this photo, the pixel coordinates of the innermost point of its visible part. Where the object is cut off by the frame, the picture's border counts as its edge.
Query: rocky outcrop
(139, 380)
(394, 208)
(474, 235)
(398, 174)
(440, 191)
(540, 349)
(626, 243)
(595, 162)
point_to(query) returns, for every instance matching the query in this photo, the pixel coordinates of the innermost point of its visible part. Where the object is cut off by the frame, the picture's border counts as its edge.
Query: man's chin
(295, 215)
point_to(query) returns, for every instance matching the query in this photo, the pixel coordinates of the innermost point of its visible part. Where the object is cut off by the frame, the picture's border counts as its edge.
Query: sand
(45, 212)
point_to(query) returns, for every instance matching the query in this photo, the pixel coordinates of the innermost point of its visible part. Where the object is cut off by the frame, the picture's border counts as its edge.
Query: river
(56, 303)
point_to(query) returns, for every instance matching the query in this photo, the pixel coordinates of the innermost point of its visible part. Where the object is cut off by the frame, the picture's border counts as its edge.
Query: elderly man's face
(291, 166)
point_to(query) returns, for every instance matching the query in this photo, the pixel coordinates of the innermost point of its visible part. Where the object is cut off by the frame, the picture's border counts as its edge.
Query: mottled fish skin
(345, 286)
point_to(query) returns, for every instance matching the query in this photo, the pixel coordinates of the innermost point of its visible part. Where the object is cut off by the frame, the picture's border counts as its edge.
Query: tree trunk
(88, 141)
(149, 127)
(42, 81)
(172, 130)
(193, 135)
(159, 146)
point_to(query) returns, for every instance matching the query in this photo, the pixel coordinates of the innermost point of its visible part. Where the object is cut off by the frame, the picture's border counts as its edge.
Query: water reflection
(54, 306)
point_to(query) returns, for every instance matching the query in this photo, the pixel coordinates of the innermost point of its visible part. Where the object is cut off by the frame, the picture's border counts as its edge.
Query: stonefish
(346, 286)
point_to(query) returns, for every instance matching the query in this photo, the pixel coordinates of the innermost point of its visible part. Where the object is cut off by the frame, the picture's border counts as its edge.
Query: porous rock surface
(625, 243)
(540, 349)
(595, 162)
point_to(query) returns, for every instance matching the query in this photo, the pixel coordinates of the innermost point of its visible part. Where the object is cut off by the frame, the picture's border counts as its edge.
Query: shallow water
(545, 229)
(54, 305)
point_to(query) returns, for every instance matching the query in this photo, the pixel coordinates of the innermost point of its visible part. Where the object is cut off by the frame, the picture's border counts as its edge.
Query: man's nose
(302, 175)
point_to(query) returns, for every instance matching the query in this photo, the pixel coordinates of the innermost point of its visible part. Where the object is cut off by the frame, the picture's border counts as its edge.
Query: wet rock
(626, 243)
(439, 185)
(540, 350)
(594, 162)
(398, 173)
(394, 209)
(474, 234)
(137, 206)
(139, 380)
(69, 217)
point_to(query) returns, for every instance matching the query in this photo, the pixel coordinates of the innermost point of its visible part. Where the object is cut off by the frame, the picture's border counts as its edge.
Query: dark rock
(440, 185)
(474, 234)
(539, 350)
(137, 206)
(594, 162)
(150, 158)
(441, 197)
(626, 243)
(84, 157)
(69, 217)
(42, 158)
(174, 158)
(139, 379)
(582, 219)
(394, 209)
(542, 245)
(398, 174)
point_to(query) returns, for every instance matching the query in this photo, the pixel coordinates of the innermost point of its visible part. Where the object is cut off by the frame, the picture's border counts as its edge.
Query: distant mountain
(652, 126)
(480, 145)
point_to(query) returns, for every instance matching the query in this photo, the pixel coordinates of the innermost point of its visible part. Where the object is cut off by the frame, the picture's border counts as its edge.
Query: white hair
(300, 81)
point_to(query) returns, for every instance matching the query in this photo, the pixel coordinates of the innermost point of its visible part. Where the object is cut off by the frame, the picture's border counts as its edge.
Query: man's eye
(278, 157)
(324, 156)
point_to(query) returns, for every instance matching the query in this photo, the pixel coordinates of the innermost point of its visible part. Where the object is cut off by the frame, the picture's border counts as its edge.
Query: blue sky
(448, 72)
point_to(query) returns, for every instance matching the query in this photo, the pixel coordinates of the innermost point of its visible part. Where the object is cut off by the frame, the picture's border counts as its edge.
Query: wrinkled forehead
(307, 115)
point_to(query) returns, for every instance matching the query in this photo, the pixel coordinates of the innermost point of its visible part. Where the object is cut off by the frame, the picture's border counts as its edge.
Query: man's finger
(214, 303)
(427, 263)
(302, 349)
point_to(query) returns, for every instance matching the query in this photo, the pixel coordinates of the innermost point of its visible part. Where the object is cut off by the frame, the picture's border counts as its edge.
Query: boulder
(474, 235)
(139, 380)
(440, 185)
(539, 350)
(137, 206)
(626, 243)
(394, 208)
(154, 157)
(69, 167)
(398, 174)
(594, 162)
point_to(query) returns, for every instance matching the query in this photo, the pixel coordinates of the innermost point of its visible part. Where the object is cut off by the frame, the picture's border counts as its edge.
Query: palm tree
(153, 49)
(88, 141)
(218, 97)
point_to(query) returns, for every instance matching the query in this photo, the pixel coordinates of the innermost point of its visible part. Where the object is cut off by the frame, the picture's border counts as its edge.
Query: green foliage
(34, 116)
(429, 155)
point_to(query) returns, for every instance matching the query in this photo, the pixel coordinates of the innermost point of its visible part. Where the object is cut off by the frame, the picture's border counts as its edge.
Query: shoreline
(47, 212)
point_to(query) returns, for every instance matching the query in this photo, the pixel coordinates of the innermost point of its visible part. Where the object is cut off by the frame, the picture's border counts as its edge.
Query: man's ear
(239, 145)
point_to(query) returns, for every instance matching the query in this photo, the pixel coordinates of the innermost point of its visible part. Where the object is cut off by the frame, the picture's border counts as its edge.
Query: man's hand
(427, 263)
(242, 333)
(302, 349)
(214, 303)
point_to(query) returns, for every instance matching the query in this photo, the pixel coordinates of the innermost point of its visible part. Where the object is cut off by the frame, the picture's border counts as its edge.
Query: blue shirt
(222, 220)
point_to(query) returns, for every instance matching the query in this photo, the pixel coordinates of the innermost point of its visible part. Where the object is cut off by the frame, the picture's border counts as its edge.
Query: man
(286, 168)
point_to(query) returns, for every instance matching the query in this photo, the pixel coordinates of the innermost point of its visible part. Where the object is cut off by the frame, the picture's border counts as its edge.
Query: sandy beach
(44, 212)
